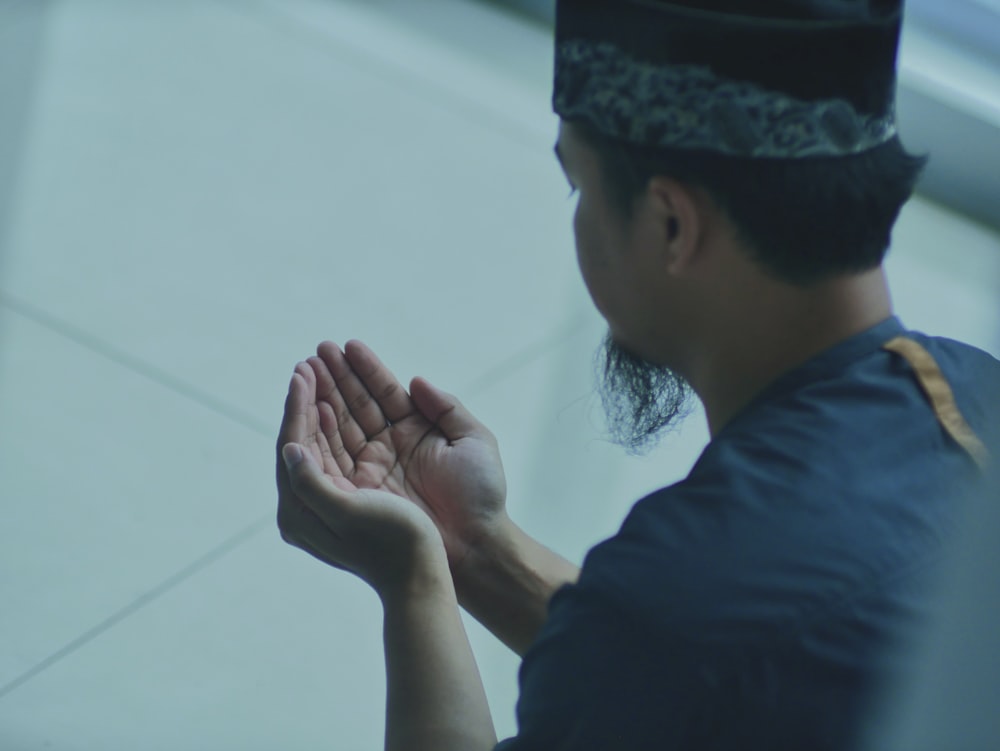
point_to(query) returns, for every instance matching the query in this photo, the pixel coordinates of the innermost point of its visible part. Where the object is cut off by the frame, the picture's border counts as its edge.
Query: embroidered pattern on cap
(690, 107)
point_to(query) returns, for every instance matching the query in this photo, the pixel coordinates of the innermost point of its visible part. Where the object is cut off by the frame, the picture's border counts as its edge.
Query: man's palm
(368, 432)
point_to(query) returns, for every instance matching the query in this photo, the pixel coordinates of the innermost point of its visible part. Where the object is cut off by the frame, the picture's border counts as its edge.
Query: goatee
(641, 400)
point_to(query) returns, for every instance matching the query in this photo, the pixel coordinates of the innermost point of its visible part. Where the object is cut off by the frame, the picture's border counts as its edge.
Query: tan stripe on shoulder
(941, 397)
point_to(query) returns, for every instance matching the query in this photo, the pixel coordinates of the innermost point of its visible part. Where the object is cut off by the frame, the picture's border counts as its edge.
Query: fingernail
(292, 455)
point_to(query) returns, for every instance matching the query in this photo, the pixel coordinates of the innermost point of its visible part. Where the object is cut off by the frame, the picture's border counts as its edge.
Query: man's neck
(776, 328)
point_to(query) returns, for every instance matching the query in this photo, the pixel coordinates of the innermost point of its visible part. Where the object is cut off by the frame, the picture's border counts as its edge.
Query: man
(738, 175)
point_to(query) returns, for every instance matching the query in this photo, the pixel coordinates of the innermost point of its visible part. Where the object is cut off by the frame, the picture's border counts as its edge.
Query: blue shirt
(761, 602)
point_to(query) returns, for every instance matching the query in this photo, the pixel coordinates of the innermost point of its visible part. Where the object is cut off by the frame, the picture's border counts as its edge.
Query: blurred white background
(192, 195)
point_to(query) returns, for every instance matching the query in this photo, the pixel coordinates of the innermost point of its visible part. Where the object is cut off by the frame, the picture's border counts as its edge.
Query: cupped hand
(373, 445)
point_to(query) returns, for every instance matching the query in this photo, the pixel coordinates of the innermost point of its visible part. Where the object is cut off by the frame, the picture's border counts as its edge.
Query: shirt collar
(830, 361)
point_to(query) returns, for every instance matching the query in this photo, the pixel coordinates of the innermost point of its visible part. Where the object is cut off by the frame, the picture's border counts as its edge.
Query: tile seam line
(135, 365)
(524, 356)
(399, 76)
(170, 583)
(520, 358)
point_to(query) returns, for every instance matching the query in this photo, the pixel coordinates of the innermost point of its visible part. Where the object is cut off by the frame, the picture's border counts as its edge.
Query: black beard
(641, 400)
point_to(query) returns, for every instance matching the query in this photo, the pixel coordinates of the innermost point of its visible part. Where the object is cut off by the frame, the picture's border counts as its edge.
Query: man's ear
(677, 209)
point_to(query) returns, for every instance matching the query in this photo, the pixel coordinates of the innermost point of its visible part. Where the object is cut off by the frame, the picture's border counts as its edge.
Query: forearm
(435, 697)
(506, 584)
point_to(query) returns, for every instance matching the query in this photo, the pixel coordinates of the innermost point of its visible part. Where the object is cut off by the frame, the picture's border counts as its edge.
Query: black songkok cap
(778, 79)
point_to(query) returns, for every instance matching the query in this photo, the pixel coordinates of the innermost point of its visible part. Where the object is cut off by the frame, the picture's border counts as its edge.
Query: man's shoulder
(865, 414)
(960, 361)
(841, 481)
(973, 376)
(962, 351)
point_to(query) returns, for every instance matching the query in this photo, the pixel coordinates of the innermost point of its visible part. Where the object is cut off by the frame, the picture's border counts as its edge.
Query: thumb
(312, 487)
(445, 411)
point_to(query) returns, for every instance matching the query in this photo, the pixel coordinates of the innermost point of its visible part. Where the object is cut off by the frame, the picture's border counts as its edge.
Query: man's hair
(803, 220)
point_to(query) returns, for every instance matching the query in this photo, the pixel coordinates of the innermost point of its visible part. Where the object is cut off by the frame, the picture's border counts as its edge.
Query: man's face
(602, 239)
(640, 398)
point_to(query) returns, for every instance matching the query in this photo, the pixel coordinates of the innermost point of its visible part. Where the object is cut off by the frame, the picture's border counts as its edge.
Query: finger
(339, 454)
(363, 408)
(300, 527)
(345, 430)
(299, 424)
(315, 440)
(295, 420)
(445, 412)
(379, 381)
(329, 502)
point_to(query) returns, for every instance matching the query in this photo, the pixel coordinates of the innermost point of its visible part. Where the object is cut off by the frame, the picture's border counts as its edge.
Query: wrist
(490, 553)
(428, 577)
(506, 581)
